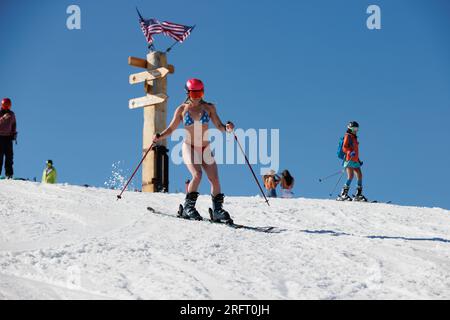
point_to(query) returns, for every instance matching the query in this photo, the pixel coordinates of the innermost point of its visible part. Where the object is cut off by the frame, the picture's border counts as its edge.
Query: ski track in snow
(69, 242)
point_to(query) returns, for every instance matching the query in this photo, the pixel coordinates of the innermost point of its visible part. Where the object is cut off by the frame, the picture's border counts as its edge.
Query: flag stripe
(176, 31)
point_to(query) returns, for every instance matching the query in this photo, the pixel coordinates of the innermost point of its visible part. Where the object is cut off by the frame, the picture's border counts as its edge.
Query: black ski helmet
(353, 124)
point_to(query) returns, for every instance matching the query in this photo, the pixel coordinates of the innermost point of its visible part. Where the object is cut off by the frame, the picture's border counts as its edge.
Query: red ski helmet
(6, 103)
(194, 85)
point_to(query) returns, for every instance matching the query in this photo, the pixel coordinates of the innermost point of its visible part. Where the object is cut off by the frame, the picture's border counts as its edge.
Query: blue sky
(304, 67)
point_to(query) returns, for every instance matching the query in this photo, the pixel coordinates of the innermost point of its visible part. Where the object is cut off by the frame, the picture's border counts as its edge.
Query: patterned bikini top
(188, 121)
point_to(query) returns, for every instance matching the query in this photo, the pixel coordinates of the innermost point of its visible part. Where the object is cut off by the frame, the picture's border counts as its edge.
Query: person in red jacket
(352, 163)
(8, 134)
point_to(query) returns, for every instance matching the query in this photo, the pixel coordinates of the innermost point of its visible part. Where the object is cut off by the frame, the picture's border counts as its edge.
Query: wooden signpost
(149, 100)
(155, 167)
(148, 75)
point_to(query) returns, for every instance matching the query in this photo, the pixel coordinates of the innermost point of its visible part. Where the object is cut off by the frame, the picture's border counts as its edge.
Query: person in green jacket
(49, 175)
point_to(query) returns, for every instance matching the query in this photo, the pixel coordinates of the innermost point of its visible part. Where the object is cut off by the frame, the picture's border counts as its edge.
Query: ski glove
(352, 154)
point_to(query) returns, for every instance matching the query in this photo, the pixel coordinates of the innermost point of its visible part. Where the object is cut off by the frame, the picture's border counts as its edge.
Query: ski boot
(217, 213)
(359, 196)
(344, 194)
(189, 211)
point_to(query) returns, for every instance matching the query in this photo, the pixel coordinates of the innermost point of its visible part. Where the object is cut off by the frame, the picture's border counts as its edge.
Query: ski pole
(137, 168)
(330, 176)
(250, 166)
(334, 189)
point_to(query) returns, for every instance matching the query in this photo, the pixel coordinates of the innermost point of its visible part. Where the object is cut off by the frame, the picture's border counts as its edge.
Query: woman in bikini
(287, 184)
(195, 113)
(271, 181)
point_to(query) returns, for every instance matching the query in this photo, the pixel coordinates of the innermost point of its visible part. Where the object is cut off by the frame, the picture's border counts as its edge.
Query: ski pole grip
(228, 122)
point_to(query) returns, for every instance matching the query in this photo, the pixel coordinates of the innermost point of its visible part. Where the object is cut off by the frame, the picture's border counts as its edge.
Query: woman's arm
(276, 181)
(172, 126)
(283, 183)
(14, 125)
(216, 120)
(273, 181)
(346, 146)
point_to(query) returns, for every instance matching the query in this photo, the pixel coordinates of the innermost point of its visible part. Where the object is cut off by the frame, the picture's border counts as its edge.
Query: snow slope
(68, 242)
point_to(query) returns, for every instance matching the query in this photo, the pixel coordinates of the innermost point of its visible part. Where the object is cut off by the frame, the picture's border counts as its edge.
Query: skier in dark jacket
(8, 134)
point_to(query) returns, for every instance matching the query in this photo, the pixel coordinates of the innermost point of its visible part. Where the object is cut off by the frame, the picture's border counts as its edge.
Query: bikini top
(188, 121)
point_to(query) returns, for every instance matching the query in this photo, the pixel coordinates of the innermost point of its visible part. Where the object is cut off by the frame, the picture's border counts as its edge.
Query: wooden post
(155, 166)
(155, 119)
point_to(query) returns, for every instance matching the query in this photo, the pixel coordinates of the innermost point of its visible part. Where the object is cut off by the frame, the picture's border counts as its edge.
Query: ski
(231, 225)
(361, 201)
(14, 179)
(370, 201)
(240, 226)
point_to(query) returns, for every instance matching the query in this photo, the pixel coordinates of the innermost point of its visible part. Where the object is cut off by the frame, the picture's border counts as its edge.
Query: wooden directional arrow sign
(147, 101)
(137, 62)
(149, 75)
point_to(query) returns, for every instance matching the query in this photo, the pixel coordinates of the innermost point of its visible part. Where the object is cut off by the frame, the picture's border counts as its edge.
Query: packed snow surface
(69, 242)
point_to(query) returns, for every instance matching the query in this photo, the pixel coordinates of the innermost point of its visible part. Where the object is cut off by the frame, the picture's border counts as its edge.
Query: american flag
(176, 31)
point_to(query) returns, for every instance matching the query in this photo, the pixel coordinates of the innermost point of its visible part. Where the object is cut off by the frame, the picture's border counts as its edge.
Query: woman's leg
(217, 197)
(9, 156)
(346, 187)
(210, 167)
(359, 189)
(359, 176)
(350, 174)
(194, 169)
